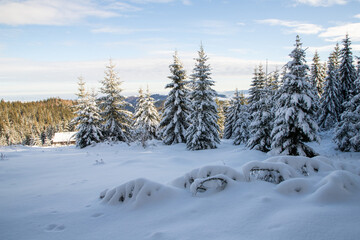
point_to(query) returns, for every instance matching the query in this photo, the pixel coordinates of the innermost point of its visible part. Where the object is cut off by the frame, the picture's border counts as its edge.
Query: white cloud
(321, 3)
(294, 26)
(21, 77)
(122, 30)
(357, 16)
(44, 12)
(330, 48)
(337, 33)
(217, 27)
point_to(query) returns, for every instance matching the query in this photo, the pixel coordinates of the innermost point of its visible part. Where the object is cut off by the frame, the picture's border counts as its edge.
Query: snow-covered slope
(58, 193)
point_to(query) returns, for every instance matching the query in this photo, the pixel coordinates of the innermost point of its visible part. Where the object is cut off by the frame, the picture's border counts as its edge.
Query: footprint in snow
(95, 215)
(54, 228)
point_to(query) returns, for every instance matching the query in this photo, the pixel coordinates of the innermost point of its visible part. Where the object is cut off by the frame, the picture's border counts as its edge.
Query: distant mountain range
(160, 99)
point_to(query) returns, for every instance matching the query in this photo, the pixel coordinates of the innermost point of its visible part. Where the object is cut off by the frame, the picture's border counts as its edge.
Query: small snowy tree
(203, 132)
(330, 103)
(89, 119)
(294, 119)
(176, 107)
(232, 115)
(221, 105)
(146, 117)
(241, 132)
(80, 103)
(118, 120)
(347, 70)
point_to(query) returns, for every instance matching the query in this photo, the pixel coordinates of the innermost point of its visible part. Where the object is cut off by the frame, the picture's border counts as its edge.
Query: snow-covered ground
(54, 193)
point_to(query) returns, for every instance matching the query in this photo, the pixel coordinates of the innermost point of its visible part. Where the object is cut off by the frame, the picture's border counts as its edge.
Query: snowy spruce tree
(232, 115)
(261, 121)
(294, 120)
(203, 132)
(317, 74)
(330, 102)
(241, 132)
(176, 107)
(117, 120)
(347, 131)
(146, 117)
(347, 72)
(89, 128)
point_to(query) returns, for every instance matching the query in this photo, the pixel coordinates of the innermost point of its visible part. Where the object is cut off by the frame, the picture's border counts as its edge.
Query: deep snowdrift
(167, 192)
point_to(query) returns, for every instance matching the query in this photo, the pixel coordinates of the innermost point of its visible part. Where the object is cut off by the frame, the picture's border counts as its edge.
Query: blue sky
(46, 44)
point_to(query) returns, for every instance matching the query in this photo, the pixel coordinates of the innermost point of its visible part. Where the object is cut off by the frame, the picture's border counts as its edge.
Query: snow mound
(347, 167)
(295, 186)
(274, 172)
(304, 165)
(203, 173)
(136, 193)
(338, 186)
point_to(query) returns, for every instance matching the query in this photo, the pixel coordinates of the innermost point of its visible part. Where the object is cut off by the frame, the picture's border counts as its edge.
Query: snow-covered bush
(136, 192)
(215, 183)
(274, 172)
(303, 165)
(206, 172)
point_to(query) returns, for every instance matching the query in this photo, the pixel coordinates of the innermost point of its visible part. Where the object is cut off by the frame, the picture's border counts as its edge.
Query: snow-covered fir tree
(89, 128)
(347, 131)
(294, 120)
(317, 74)
(330, 102)
(117, 120)
(176, 107)
(203, 132)
(261, 122)
(146, 117)
(232, 115)
(241, 132)
(347, 70)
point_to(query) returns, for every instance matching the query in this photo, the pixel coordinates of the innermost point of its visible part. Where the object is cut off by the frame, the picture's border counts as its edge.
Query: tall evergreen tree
(118, 120)
(317, 74)
(89, 119)
(330, 102)
(294, 121)
(347, 70)
(347, 131)
(261, 122)
(232, 115)
(176, 107)
(203, 132)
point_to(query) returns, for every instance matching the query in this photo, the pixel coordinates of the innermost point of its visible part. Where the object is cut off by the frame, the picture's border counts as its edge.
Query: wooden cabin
(64, 138)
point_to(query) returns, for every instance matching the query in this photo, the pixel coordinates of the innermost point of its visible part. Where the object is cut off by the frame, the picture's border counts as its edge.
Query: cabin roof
(64, 137)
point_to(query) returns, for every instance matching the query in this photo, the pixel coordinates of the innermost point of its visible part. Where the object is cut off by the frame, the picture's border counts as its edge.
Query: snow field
(54, 193)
